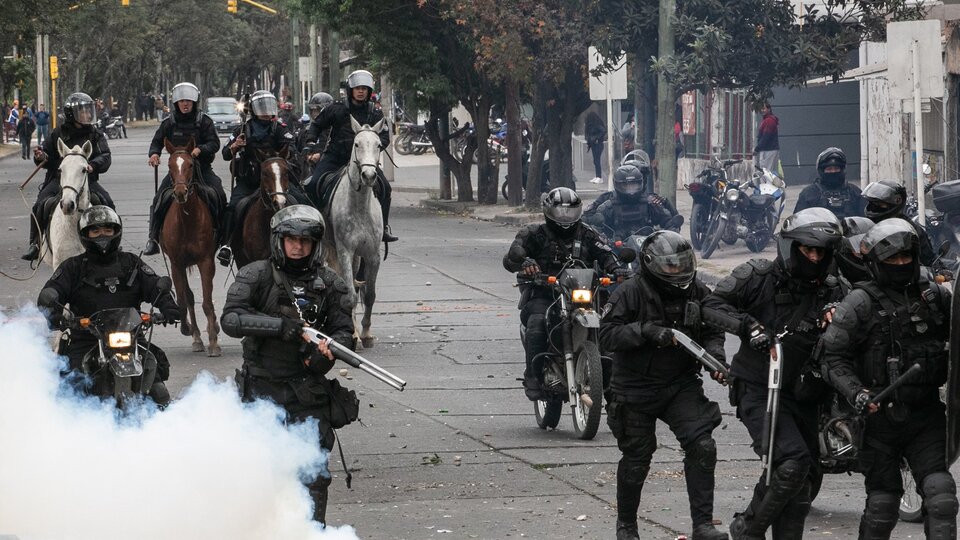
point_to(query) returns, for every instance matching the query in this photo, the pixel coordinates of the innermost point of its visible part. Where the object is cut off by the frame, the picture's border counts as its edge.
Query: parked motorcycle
(411, 139)
(112, 127)
(748, 211)
(572, 369)
(544, 176)
(706, 191)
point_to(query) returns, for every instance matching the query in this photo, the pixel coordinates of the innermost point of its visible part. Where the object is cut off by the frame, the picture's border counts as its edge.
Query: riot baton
(701, 354)
(768, 439)
(34, 173)
(889, 390)
(156, 180)
(354, 359)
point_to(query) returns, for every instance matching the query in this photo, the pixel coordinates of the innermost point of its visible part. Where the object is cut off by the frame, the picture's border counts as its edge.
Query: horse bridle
(196, 173)
(83, 185)
(360, 166)
(266, 197)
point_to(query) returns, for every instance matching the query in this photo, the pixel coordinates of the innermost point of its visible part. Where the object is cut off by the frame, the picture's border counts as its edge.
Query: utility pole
(666, 100)
(314, 72)
(334, 64)
(294, 82)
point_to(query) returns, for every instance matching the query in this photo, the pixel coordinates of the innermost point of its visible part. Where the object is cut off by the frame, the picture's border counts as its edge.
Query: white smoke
(208, 467)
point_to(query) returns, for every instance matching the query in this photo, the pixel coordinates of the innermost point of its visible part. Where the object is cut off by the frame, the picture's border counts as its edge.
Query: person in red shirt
(767, 152)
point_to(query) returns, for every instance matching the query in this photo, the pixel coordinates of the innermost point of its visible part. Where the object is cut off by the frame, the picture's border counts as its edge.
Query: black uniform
(761, 291)
(871, 326)
(651, 383)
(257, 304)
(845, 201)
(624, 215)
(310, 141)
(100, 159)
(90, 283)
(179, 129)
(551, 251)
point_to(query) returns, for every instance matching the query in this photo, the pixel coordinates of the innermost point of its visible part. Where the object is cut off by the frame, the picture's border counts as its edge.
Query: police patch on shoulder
(145, 268)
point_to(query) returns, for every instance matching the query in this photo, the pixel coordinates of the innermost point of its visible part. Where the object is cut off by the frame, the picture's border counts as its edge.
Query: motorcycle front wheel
(698, 224)
(712, 237)
(548, 412)
(589, 384)
(403, 143)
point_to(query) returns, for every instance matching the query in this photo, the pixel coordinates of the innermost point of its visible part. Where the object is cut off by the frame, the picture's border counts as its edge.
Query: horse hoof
(357, 345)
(198, 347)
(186, 329)
(214, 350)
(368, 342)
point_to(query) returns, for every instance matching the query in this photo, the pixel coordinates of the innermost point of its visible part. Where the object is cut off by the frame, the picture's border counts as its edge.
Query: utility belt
(334, 403)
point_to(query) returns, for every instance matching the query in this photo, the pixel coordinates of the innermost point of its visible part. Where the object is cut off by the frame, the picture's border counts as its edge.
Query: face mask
(804, 269)
(897, 275)
(833, 180)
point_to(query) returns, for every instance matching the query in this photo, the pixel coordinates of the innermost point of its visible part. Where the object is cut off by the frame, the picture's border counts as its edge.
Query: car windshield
(222, 107)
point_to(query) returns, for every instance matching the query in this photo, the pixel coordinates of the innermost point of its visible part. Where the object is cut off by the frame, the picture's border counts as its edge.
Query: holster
(736, 393)
(242, 378)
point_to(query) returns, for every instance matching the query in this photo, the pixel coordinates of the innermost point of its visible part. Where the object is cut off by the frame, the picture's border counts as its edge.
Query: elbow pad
(237, 325)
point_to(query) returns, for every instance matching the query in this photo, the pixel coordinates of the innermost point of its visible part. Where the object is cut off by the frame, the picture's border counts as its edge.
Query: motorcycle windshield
(761, 201)
(576, 278)
(117, 320)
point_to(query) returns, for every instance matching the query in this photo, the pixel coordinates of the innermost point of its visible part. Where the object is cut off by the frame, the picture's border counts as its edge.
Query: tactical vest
(667, 311)
(558, 250)
(903, 336)
(630, 217)
(180, 134)
(839, 201)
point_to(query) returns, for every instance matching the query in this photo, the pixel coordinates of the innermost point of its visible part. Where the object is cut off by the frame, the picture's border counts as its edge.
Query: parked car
(224, 113)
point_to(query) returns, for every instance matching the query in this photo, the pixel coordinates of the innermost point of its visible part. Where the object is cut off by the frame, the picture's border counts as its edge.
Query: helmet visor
(565, 216)
(84, 113)
(882, 192)
(676, 268)
(628, 188)
(185, 91)
(265, 105)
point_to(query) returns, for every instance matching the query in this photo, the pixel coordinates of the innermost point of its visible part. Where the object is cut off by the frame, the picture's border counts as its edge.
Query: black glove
(622, 274)
(528, 263)
(319, 364)
(861, 401)
(657, 334)
(290, 329)
(169, 316)
(759, 337)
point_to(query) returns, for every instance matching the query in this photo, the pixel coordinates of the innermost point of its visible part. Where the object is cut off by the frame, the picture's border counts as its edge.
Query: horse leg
(182, 286)
(194, 325)
(207, 271)
(369, 291)
(346, 272)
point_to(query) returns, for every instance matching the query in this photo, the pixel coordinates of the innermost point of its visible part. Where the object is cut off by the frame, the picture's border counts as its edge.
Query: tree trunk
(538, 144)
(461, 171)
(486, 179)
(514, 142)
(666, 102)
(570, 100)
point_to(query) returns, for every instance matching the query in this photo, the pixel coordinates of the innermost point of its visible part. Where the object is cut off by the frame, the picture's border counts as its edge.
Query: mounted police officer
(186, 123)
(264, 132)
(786, 295)
(881, 329)
(269, 305)
(546, 248)
(105, 277)
(311, 142)
(887, 199)
(629, 207)
(336, 154)
(79, 126)
(831, 190)
(653, 379)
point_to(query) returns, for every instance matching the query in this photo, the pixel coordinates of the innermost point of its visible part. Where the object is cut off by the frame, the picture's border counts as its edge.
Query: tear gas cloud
(208, 467)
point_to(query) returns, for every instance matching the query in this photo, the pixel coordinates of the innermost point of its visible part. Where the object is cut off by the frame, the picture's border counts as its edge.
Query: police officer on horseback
(269, 305)
(186, 123)
(264, 132)
(311, 142)
(336, 118)
(79, 126)
(831, 189)
(629, 207)
(105, 277)
(881, 329)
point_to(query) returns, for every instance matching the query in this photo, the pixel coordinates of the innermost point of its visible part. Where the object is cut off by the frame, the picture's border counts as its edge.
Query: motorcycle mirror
(627, 255)
(647, 230)
(165, 284)
(941, 251)
(48, 297)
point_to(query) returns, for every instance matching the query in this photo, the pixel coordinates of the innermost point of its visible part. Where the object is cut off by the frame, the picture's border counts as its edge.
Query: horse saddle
(327, 184)
(49, 205)
(244, 204)
(207, 194)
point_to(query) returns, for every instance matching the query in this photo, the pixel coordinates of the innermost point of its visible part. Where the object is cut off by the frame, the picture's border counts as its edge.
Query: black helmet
(296, 220)
(812, 227)
(886, 239)
(100, 216)
(318, 102)
(263, 103)
(562, 208)
(885, 199)
(849, 259)
(832, 157)
(668, 260)
(79, 108)
(629, 180)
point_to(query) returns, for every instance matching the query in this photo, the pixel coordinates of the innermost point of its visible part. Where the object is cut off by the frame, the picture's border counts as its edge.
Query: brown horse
(254, 242)
(187, 239)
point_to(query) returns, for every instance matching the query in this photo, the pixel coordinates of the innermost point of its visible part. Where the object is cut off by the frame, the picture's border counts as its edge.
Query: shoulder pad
(528, 231)
(727, 285)
(831, 282)
(254, 272)
(761, 266)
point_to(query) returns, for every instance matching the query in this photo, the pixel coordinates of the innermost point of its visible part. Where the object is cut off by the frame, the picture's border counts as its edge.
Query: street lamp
(231, 6)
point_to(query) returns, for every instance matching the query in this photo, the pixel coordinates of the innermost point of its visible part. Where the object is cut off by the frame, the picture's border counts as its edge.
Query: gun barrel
(700, 353)
(350, 357)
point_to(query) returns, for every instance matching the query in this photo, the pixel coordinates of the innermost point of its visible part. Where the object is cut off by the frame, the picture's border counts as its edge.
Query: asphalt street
(458, 453)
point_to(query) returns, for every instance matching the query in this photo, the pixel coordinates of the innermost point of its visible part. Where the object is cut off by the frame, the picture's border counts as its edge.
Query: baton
(343, 353)
(34, 173)
(773, 410)
(701, 354)
(903, 379)
(156, 180)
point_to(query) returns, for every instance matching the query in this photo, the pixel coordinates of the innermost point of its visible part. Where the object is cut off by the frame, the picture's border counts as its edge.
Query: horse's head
(181, 168)
(366, 151)
(273, 178)
(73, 175)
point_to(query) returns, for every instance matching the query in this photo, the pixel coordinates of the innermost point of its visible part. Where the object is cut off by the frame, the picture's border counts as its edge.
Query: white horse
(62, 240)
(355, 223)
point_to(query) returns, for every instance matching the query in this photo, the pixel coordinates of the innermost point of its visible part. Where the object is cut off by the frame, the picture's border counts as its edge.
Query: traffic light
(232, 6)
(54, 69)
(125, 3)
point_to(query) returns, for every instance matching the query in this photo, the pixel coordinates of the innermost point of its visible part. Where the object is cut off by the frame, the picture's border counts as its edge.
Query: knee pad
(703, 454)
(880, 514)
(633, 471)
(939, 495)
(792, 472)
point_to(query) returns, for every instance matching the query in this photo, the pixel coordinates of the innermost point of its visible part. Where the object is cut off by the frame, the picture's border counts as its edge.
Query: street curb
(469, 209)
(452, 207)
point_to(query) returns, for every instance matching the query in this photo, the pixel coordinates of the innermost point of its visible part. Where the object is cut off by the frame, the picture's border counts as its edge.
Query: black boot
(225, 254)
(627, 530)
(319, 491)
(706, 531)
(383, 195)
(152, 247)
(738, 529)
(33, 252)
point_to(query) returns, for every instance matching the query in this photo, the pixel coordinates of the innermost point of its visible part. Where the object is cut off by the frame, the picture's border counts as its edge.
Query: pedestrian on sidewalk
(25, 127)
(43, 124)
(767, 152)
(595, 132)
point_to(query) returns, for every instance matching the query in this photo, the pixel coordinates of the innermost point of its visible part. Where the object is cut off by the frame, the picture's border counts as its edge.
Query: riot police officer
(882, 328)
(268, 306)
(186, 123)
(263, 132)
(105, 277)
(887, 199)
(630, 207)
(79, 126)
(831, 190)
(545, 248)
(786, 295)
(311, 142)
(336, 119)
(653, 379)
(849, 259)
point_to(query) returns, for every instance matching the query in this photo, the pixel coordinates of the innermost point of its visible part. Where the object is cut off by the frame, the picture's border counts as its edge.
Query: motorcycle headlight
(582, 296)
(732, 195)
(119, 340)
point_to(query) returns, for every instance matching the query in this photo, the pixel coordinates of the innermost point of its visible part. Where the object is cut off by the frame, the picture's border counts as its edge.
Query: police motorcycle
(943, 226)
(747, 210)
(121, 364)
(111, 126)
(572, 369)
(705, 191)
